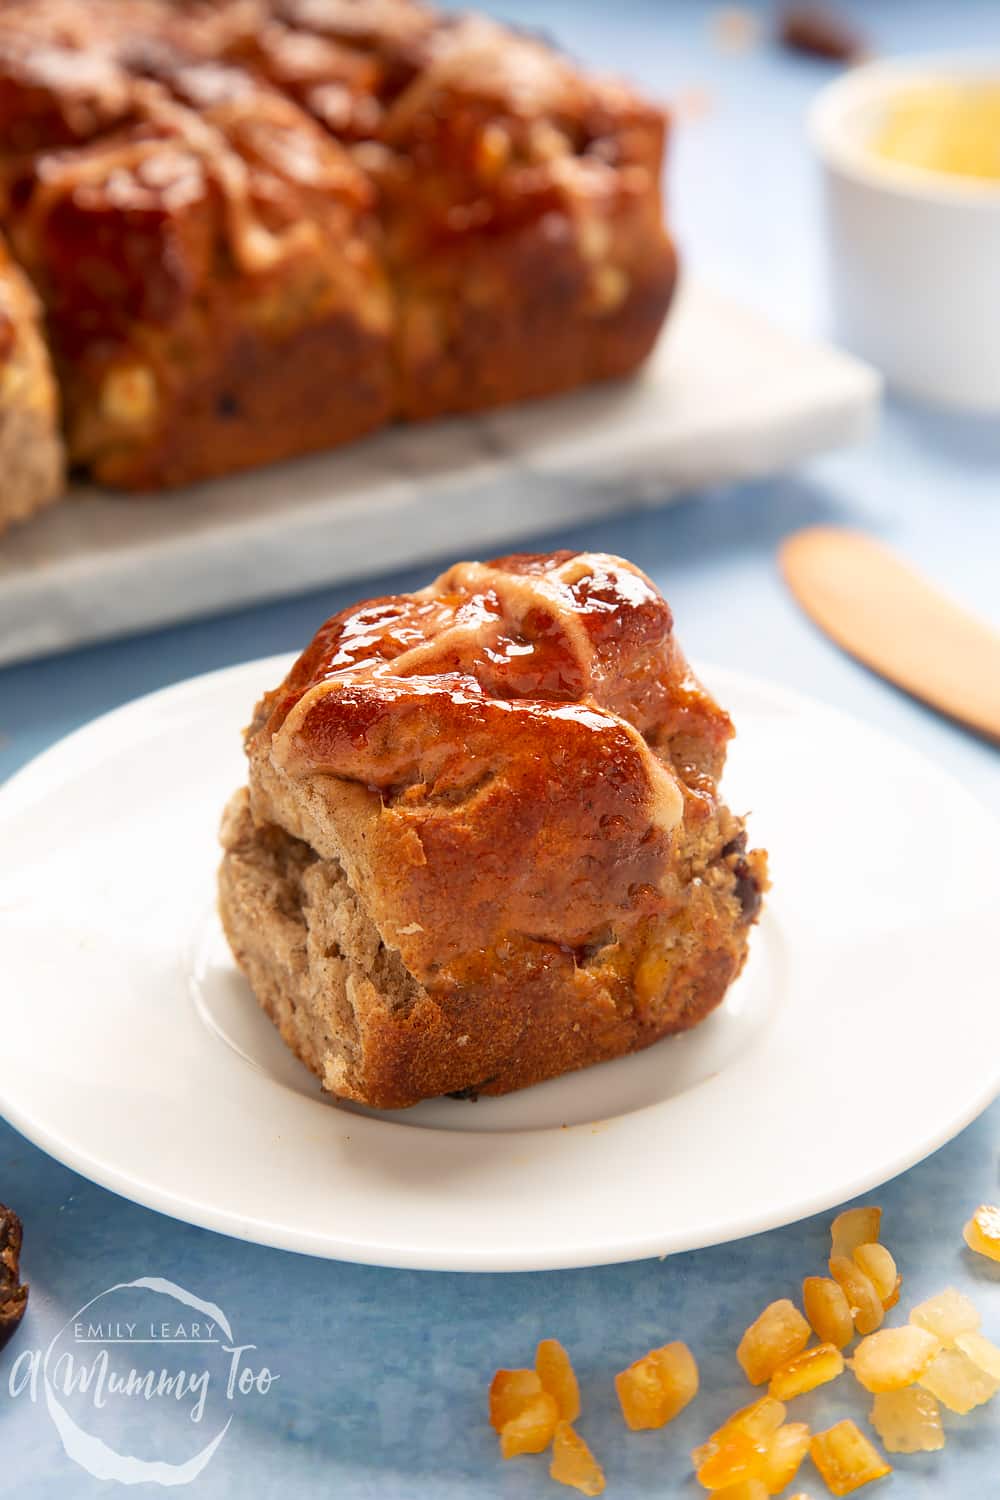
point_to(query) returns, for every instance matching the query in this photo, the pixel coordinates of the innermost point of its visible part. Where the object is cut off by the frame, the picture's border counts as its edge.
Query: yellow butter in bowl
(944, 127)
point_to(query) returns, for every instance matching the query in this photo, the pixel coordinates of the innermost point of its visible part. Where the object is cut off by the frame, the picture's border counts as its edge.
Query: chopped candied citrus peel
(573, 1463)
(865, 1302)
(556, 1373)
(728, 1461)
(947, 1316)
(982, 1233)
(894, 1357)
(811, 1368)
(982, 1353)
(532, 1429)
(957, 1382)
(880, 1268)
(888, 1303)
(736, 1450)
(854, 1227)
(785, 1452)
(655, 1388)
(908, 1421)
(746, 1489)
(772, 1340)
(828, 1310)
(510, 1393)
(846, 1459)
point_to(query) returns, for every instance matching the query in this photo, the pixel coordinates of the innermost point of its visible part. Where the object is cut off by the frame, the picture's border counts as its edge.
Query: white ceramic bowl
(914, 255)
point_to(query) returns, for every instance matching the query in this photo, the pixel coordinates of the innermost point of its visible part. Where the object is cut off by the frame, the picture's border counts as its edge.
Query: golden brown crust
(31, 452)
(262, 227)
(510, 778)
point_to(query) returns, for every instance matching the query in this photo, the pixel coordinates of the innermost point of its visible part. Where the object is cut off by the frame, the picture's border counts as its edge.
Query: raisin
(747, 892)
(13, 1296)
(819, 31)
(227, 405)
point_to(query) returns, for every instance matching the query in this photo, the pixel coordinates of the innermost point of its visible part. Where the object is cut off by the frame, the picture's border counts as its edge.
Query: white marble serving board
(726, 396)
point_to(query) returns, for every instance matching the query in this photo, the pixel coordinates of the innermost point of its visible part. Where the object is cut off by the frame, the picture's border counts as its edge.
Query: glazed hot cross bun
(482, 842)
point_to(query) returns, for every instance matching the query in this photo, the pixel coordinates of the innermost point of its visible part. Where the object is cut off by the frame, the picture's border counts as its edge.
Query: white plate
(863, 1034)
(726, 395)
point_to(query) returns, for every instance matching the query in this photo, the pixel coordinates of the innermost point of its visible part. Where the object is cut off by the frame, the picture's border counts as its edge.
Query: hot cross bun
(482, 842)
(263, 227)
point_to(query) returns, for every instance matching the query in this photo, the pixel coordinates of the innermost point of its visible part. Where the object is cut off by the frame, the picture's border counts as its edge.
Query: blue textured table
(383, 1374)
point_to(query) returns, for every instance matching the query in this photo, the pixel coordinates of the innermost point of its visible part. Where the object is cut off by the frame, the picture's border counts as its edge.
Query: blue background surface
(382, 1373)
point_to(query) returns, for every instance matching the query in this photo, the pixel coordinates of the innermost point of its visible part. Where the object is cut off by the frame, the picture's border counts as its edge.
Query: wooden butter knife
(897, 623)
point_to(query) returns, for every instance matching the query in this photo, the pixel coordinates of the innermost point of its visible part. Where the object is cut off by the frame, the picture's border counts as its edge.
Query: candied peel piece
(854, 1227)
(812, 1368)
(894, 1357)
(735, 1457)
(736, 1450)
(957, 1382)
(745, 1489)
(880, 1268)
(772, 1340)
(532, 1429)
(865, 1302)
(982, 1233)
(947, 1315)
(888, 1303)
(981, 1351)
(828, 1310)
(510, 1392)
(655, 1388)
(846, 1459)
(785, 1452)
(573, 1463)
(908, 1421)
(556, 1373)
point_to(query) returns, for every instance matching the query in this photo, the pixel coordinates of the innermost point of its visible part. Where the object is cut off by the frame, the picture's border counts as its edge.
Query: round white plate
(863, 1034)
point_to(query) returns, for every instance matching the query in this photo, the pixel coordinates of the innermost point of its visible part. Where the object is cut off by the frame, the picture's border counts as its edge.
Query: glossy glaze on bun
(482, 843)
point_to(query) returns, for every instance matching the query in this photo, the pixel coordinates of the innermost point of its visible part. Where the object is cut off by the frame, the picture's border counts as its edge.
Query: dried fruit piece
(908, 1421)
(573, 1463)
(880, 1268)
(982, 1353)
(982, 1233)
(737, 1449)
(510, 1392)
(13, 1296)
(655, 1388)
(558, 1377)
(828, 1310)
(865, 1302)
(758, 1421)
(947, 1315)
(957, 1382)
(811, 1368)
(747, 1489)
(854, 1227)
(775, 1337)
(785, 1452)
(888, 1303)
(819, 31)
(894, 1358)
(846, 1459)
(532, 1429)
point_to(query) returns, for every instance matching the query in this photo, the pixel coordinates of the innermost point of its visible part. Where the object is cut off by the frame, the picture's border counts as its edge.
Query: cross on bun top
(529, 732)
